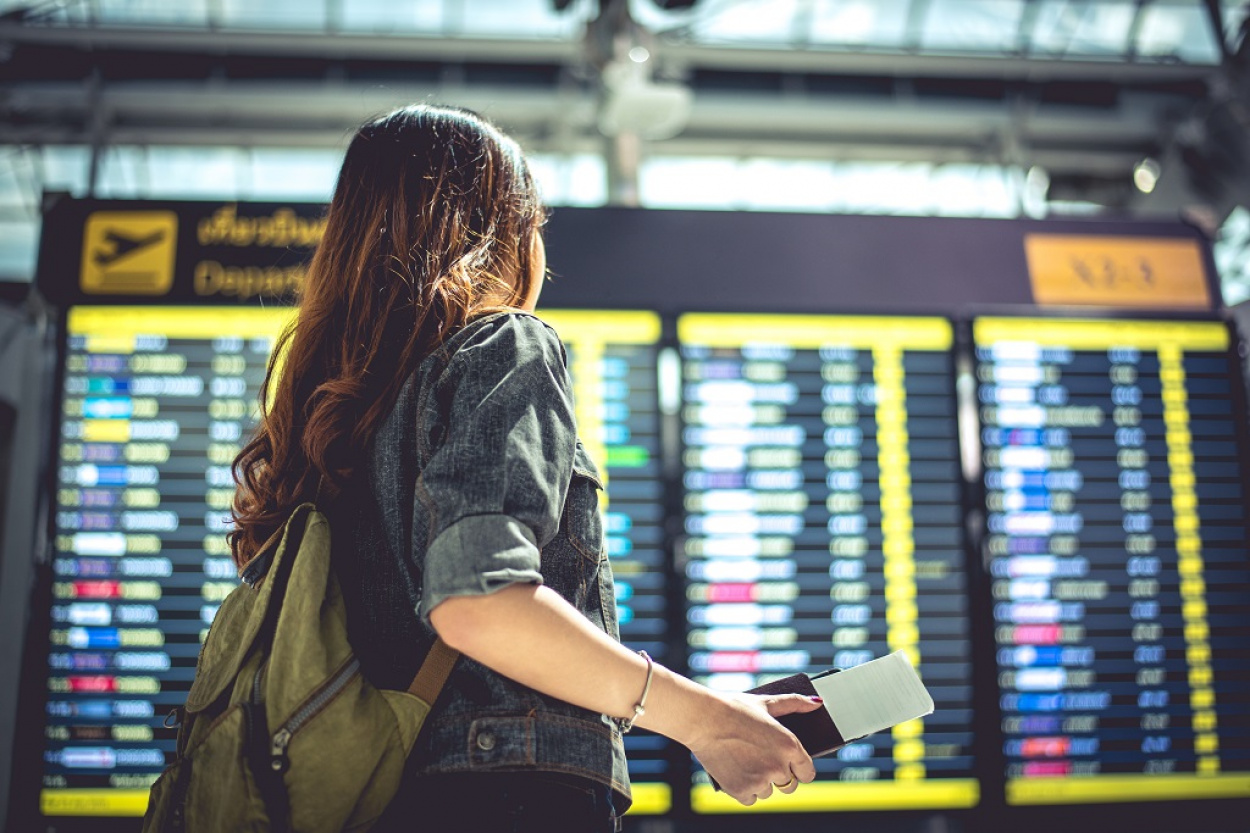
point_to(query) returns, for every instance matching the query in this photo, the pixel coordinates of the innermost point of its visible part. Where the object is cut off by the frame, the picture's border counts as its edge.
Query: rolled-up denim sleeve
(495, 486)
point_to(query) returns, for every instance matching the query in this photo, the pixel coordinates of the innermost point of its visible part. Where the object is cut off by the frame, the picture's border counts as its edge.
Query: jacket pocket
(582, 517)
(570, 561)
(607, 599)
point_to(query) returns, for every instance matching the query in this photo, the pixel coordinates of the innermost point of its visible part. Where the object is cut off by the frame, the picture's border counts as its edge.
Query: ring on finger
(787, 784)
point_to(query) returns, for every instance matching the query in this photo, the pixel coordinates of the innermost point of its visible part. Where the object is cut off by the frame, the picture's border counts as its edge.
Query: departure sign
(1117, 537)
(822, 491)
(156, 404)
(613, 358)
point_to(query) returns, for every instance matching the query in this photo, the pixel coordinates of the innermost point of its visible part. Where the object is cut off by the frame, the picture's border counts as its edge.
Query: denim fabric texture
(503, 802)
(477, 481)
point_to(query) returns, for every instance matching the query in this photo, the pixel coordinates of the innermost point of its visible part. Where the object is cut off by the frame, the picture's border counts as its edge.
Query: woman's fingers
(779, 704)
(804, 770)
(784, 786)
(782, 704)
(753, 755)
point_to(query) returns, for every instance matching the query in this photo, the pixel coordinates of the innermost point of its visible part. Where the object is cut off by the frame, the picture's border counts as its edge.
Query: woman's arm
(531, 634)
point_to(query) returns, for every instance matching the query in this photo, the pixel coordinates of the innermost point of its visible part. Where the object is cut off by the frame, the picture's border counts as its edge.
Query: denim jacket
(477, 481)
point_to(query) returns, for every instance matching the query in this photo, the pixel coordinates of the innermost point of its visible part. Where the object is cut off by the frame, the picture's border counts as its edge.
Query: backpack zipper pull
(278, 760)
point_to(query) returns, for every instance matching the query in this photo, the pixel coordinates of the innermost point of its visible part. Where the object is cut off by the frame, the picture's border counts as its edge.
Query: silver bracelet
(639, 710)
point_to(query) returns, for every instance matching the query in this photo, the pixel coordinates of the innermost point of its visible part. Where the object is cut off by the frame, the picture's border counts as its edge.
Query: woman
(421, 401)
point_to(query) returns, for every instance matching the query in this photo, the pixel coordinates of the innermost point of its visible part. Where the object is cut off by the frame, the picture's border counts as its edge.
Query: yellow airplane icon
(123, 245)
(129, 252)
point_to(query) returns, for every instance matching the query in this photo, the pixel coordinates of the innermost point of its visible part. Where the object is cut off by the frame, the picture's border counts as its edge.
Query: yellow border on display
(848, 796)
(649, 800)
(121, 324)
(103, 801)
(113, 329)
(815, 331)
(1096, 789)
(1101, 334)
(604, 326)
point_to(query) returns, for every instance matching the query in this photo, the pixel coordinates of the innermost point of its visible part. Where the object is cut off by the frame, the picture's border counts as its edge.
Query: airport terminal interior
(909, 328)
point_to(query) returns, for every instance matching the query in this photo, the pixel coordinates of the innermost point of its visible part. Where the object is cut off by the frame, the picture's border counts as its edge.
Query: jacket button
(485, 741)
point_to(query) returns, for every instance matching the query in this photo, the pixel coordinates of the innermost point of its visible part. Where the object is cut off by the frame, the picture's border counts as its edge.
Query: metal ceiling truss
(126, 85)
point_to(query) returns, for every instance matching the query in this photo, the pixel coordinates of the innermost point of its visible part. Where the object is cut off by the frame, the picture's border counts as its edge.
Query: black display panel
(824, 527)
(1118, 551)
(156, 403)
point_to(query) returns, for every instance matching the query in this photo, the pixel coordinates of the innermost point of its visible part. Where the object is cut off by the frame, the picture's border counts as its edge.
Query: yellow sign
(1134, 272)
(129, 253)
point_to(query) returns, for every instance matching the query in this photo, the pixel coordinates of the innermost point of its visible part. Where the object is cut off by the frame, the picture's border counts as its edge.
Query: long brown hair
(432, 221)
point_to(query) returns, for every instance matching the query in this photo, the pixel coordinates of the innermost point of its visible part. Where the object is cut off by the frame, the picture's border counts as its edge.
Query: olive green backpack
(280, 730)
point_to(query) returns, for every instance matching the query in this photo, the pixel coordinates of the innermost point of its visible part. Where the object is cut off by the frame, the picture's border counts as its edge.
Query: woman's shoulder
(512, 336)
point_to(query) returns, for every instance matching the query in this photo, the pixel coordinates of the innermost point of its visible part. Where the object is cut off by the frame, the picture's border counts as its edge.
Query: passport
(858, 702)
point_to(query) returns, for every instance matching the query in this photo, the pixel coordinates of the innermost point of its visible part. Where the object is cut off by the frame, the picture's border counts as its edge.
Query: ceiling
(1083, 89)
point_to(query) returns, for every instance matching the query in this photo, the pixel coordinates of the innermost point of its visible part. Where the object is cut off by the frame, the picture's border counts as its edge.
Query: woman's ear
(538, 271)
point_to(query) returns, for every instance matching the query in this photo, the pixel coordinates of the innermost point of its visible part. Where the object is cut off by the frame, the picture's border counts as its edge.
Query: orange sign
(1134, 272)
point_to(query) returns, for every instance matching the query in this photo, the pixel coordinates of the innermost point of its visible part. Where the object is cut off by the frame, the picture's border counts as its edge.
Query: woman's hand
(533, 635)
(748, 752)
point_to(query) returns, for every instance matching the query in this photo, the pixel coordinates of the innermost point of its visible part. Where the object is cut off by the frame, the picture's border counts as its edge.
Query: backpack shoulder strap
(432, 676)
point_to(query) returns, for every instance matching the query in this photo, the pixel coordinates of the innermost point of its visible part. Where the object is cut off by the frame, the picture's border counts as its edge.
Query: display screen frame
(991, 813)
(645, 250)
(26, 786)
(917, 813)
(1150, 816)
(25, 810)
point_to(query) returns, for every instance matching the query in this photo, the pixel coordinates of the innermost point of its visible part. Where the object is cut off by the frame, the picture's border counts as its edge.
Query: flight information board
(824, 528)
(613, 358)
(1117, 546)
(156, 404)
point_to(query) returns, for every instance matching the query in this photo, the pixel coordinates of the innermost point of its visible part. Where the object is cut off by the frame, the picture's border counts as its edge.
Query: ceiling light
(633, 103)
(1146, 175)
(1033, 198)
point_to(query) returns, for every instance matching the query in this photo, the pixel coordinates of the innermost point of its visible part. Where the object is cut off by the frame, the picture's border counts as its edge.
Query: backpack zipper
(253, 702)
(256, 681)
(178, 796)
(278, 760)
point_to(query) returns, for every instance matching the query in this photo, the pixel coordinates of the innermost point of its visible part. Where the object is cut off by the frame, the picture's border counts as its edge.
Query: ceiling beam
(1109, 160)
(286, 44)
(675, 56)
(966, 66)
(1215, 18)
(323, 114)
(214, 106)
